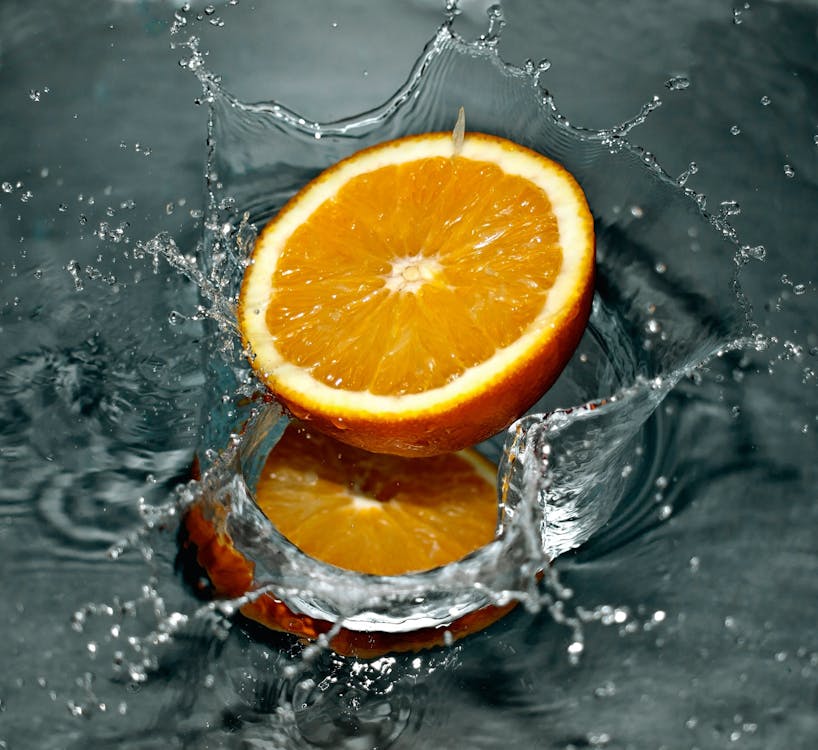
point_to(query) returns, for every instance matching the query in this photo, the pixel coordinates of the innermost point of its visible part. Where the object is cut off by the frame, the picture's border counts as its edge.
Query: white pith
(411, 273)
(296, 383)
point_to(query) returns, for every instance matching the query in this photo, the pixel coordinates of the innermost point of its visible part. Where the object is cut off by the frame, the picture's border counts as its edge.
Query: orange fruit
(383, 515)
(421, 294)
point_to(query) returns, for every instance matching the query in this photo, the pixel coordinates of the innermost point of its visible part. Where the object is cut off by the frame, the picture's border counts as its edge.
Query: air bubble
(789, 171)
(765, 101)
(735, 130)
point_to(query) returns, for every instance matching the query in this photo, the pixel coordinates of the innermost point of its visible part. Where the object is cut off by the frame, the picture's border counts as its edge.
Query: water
(690, 610)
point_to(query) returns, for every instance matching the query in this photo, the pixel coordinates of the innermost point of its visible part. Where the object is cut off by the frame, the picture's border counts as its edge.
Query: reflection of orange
(376, 514)
(421, 294)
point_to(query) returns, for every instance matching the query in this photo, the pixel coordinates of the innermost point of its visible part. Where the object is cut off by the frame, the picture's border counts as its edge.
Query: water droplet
(34, 95)
(74, 269)
(75, 708)
(637, 212)
(678, 83)
(765, 101)
(789, 171)
(799, 289)
(496, 23)
(729, 208)
(605, 690)
(735, 130)
(7, 187)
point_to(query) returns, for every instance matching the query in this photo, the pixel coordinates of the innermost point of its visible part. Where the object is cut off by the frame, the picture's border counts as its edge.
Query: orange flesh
(383, 515)
(404, 300)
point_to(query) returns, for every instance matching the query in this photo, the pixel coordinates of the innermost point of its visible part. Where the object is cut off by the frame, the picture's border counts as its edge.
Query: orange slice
(418, 296)
(377, 514)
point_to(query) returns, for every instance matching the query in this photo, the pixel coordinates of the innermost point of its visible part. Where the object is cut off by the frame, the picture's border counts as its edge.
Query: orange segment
(384, 515)
(414, 276)
(415, 299)
(377, 514)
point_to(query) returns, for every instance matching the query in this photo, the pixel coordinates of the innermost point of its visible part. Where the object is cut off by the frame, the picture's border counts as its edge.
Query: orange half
(418, 296)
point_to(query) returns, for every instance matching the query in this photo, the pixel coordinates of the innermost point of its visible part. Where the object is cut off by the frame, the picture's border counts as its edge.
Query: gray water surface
(699, 601)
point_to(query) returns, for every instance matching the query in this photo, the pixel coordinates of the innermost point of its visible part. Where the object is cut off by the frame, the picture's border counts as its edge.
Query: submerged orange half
(383, 515)
(418, 296)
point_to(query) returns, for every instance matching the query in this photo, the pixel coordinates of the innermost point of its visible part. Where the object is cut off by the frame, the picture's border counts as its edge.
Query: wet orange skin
(232, 575)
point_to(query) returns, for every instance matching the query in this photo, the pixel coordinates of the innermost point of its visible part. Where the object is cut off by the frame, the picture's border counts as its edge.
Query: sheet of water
(696, 599)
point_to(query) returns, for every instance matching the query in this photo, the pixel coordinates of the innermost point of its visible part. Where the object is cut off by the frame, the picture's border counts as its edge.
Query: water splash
(565, 467)
(554, 465)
